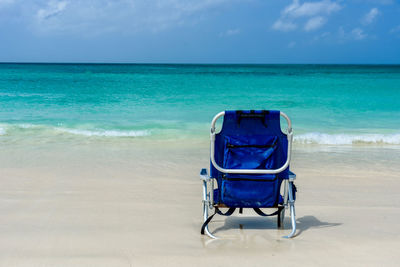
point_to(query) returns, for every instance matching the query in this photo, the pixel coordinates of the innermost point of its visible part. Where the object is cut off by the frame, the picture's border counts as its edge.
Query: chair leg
(205, 209)
(281, 218)
(292, 211)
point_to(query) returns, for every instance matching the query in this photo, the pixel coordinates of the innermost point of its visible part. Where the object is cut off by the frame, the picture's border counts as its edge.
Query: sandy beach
(138, 203)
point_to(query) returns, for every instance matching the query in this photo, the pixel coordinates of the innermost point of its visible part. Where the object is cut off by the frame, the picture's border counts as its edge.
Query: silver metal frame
(288, 196)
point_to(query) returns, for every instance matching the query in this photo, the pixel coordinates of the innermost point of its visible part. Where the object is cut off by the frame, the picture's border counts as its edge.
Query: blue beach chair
(250, 160)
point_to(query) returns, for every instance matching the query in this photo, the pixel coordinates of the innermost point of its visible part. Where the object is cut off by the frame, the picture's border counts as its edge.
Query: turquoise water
(328, 104)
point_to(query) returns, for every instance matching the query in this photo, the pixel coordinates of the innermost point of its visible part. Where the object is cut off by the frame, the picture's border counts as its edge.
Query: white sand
(140, 205)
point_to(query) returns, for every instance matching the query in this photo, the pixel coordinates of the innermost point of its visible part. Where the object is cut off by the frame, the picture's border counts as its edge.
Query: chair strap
(259, 212)
(231, 211)
(217, 210)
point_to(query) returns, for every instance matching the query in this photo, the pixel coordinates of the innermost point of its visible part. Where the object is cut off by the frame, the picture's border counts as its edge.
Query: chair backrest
(250, 139)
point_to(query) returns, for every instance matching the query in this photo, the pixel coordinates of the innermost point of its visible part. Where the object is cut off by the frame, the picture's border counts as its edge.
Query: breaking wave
(37, 129)
(106, 133)
(347, 139)
(311, 138)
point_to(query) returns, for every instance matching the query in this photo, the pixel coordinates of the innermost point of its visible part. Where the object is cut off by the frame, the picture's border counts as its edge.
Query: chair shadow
(308, 222)
(303, 223)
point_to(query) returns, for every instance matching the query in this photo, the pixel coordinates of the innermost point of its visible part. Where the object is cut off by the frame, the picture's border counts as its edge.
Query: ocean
(328, 104)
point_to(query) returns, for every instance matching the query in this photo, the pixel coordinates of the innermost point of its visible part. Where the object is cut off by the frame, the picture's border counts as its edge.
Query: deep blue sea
(328, 104)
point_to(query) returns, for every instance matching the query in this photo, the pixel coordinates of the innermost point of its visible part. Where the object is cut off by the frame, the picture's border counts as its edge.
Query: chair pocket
(251, 193)
(249, 152)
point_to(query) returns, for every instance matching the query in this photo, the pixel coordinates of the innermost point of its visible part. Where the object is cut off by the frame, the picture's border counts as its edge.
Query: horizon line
(191, 63)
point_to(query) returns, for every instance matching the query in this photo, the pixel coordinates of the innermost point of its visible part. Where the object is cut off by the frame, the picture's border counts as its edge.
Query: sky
(201, 31)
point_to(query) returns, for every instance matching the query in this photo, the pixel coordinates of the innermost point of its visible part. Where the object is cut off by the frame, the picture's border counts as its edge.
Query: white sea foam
(106, 133)
(2, 131)
(26, 125)
(347, 139)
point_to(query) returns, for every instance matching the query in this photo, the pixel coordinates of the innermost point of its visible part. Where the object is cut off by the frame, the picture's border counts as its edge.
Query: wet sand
(139, 204)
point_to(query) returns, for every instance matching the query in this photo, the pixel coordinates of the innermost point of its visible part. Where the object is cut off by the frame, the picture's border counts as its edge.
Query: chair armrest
(204, 175)
(292, 176)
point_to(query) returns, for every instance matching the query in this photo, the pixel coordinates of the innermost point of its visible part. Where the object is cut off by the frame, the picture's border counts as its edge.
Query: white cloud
(322, 36)
(317, 13)
(53, 8)
(358, 34)
(292, 44)
(308, 9)
(189, 5)
(370, 16)
(4, 3)
(395, 30)
(231, 32)
(284, 26)
(314, 23)
(97, 17)
(381, 2)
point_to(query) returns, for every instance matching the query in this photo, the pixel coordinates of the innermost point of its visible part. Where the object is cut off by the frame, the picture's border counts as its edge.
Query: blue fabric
(250, 193)
(216, 197)
(250, 152)
(250, 140)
